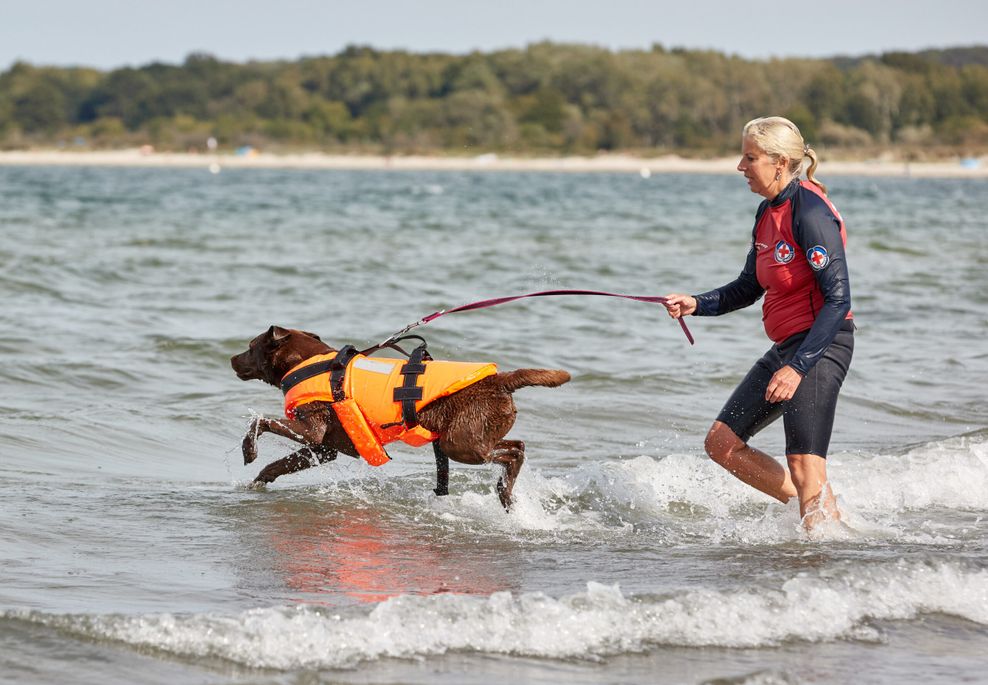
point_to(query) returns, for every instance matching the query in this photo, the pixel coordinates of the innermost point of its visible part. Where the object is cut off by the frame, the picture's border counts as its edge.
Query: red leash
(482, 304)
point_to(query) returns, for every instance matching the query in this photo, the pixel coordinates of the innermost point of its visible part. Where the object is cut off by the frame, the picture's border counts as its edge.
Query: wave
(601, 622)
(946, 474)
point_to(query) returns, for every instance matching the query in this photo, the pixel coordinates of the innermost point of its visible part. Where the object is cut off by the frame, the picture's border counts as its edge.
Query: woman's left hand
(783, 385)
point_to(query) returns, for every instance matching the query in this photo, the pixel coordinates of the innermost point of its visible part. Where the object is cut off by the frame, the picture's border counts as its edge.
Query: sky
(107, 34)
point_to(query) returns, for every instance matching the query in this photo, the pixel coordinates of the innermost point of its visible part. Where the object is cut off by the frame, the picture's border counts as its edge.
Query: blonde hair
(779, 137)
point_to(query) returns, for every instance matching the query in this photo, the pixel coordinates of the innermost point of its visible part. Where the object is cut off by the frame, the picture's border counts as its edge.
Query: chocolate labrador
(468, 425)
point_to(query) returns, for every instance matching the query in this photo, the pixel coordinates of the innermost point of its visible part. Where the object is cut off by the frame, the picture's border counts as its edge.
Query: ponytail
(814, 162)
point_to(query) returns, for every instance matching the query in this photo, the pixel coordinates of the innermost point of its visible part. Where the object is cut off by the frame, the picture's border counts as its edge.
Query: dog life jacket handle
(482, 304)
(409, 392)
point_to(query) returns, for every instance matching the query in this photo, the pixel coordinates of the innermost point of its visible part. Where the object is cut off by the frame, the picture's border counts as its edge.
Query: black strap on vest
(338, 372)
(409, 392)
(335, 366)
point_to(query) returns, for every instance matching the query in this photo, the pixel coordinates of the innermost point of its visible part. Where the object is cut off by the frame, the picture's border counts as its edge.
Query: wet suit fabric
(808, 418)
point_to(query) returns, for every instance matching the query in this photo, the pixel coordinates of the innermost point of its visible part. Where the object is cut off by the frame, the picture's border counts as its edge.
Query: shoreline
(616, 163)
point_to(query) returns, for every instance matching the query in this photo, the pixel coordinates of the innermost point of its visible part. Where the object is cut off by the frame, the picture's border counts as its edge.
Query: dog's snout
(241, 366)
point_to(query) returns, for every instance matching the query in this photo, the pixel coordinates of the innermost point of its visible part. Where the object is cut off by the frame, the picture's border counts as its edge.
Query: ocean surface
(132, 550)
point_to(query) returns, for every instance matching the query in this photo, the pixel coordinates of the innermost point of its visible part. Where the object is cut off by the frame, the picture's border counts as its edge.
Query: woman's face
(764, 175)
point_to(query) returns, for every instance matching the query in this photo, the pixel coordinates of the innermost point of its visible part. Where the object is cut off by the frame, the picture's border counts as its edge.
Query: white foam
(873, 491)
(541, 504)
(950, 474)
(654, 485)
(602, 621)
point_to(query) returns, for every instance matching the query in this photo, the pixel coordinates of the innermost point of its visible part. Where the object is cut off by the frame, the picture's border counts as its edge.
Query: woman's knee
(721, 443)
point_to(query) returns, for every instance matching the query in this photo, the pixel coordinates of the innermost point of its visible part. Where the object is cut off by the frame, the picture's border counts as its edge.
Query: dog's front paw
(249, 448)
(504, 494)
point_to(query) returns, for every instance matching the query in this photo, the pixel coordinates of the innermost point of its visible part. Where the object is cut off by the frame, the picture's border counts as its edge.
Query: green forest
(546, 98)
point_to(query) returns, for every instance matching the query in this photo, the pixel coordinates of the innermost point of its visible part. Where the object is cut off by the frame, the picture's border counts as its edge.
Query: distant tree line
(545, 98)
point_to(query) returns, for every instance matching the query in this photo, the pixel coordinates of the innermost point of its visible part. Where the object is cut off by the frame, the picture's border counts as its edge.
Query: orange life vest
(368, 412)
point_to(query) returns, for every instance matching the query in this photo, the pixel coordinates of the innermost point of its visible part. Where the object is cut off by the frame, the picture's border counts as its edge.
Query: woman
(797, 261)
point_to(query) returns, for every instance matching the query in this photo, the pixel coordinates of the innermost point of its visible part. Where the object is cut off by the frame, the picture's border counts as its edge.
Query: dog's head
(272, 353)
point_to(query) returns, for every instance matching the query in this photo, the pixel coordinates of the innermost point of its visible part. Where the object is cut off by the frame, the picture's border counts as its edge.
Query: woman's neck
(776, 189)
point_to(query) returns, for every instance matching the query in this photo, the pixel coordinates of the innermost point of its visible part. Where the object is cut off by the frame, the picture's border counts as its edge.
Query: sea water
(132, 550)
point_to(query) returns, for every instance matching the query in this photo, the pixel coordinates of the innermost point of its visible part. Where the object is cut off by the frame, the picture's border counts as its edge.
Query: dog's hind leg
(442, 470)
(298, 460)
(511, 454)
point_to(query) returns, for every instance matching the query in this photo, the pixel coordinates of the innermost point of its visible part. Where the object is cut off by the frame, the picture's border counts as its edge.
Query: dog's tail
(521, 378)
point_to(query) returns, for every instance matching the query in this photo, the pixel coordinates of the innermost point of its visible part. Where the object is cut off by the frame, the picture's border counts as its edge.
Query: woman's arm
(817, 232)
(742, 292)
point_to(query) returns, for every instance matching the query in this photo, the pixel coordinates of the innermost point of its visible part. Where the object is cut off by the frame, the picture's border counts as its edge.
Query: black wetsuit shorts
(808, 417)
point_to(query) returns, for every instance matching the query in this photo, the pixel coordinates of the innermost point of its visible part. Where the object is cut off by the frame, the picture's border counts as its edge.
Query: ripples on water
(133, 550)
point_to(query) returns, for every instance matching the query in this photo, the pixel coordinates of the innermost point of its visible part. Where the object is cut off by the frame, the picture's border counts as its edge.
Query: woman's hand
(679, 305)
(783, 385)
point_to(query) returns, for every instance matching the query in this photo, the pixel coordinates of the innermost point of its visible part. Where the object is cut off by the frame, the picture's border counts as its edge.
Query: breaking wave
(595, 624)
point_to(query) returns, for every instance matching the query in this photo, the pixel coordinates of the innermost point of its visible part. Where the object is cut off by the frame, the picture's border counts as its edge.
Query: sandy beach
(616, 163)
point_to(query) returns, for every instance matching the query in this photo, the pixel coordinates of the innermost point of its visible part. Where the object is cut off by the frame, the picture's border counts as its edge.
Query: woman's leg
(809, 422)
(805, 479)
(752, 466)
(816, 498)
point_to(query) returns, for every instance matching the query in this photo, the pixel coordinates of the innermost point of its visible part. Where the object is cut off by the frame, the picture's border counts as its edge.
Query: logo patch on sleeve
(817, 257)
(784, 252)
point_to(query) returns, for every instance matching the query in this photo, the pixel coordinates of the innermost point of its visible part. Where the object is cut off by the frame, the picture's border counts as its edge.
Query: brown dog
(470, 423)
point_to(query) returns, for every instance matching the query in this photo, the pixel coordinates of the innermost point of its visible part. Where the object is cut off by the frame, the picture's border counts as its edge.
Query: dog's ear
(277, 334)
(313, 335)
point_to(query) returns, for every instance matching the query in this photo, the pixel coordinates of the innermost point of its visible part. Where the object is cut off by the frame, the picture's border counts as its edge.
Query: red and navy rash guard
(797, 261)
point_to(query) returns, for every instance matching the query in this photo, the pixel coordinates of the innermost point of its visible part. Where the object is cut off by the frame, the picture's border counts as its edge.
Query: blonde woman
(797, 262)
